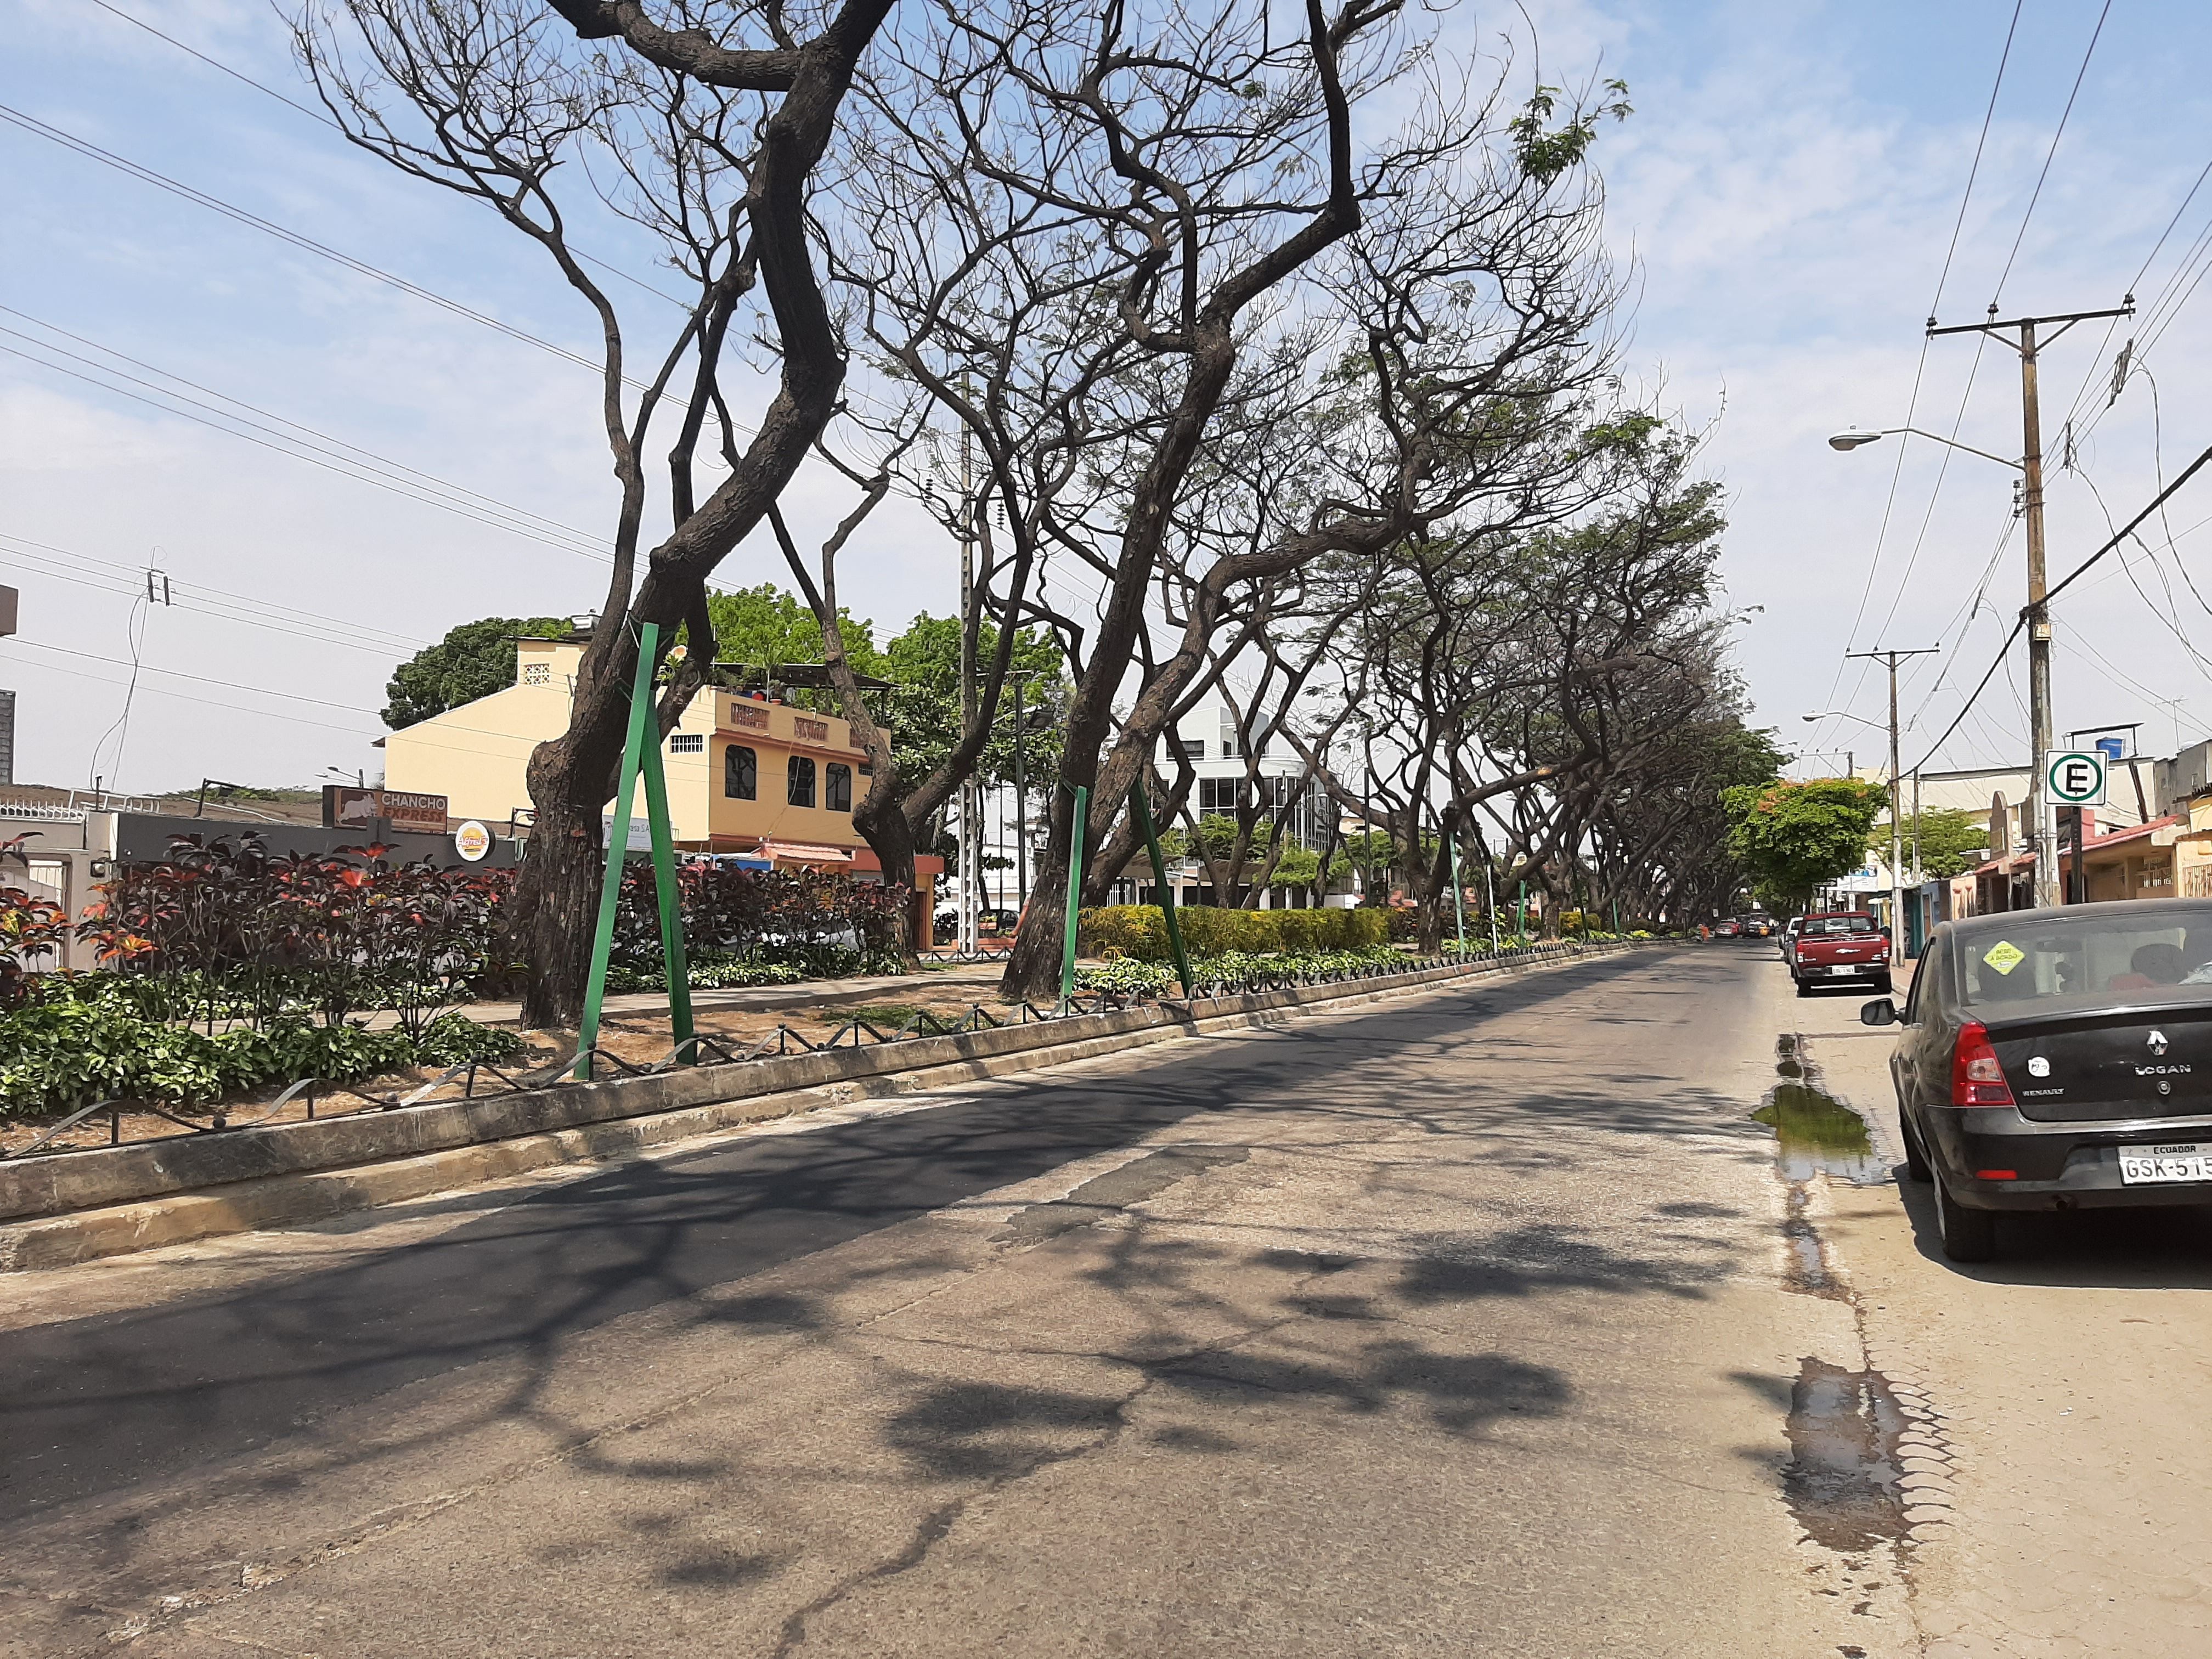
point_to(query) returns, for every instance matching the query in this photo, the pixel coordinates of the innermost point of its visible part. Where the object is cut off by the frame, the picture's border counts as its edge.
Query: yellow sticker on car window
(2005, 955)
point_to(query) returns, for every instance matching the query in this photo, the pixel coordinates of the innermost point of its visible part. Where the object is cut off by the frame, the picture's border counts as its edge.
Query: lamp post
(2038, 645)
(2036, 613)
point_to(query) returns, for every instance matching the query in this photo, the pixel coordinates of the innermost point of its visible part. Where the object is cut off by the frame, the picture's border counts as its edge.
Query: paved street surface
(1480, 1321)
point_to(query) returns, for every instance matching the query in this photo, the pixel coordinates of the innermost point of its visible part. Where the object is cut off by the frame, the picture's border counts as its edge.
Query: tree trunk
(892, 839)
(556, 904)
(1033, 965)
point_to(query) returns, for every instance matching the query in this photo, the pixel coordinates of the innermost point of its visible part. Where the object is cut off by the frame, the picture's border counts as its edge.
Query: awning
(800, 852)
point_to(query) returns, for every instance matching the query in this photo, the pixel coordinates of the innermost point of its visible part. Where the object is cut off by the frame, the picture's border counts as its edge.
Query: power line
(2112, 327)
(1942, 473)
(352, 454)
(2189, 472)
(2079, 76)
(307, 244)
(211, 702)
(1973, 171)
(1919, 370)
(1979, 686)
(2020, 621)
(350, 627)
(314, 114)
(305, 626)
(295, 453)
(99, 582)
(201, 679)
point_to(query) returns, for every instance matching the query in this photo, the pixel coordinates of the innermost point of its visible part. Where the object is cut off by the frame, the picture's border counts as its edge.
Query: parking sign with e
(2076, 777)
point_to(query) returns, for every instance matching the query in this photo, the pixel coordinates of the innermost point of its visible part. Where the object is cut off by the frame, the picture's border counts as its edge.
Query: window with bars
(688, 743)
(538, 673)
(837, 788)
(799, 781)
(740, 772)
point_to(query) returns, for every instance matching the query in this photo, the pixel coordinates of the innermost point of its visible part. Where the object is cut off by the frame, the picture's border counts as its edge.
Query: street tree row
(1233, 342)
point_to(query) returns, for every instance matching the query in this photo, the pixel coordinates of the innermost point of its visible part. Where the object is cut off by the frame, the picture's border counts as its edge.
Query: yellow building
(746, 774)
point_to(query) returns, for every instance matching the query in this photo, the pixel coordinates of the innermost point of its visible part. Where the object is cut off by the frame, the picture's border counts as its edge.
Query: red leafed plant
(30, 927)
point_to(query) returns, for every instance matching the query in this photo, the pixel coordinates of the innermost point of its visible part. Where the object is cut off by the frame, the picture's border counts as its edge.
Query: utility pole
(2038, 612)
(1896, 803)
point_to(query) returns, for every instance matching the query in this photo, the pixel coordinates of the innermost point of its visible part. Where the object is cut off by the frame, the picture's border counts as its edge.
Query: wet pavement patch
(1814, 1132)
(1107, 1194)
(1842, 1481)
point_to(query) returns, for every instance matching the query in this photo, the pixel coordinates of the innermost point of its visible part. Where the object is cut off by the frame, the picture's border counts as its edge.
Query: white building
(1219, 752)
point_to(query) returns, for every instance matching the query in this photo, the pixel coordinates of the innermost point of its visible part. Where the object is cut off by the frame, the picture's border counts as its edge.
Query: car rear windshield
(2074, 955)
(1816, 926)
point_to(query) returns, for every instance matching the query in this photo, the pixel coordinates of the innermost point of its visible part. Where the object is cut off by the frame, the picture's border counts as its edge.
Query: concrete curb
(118, 1201)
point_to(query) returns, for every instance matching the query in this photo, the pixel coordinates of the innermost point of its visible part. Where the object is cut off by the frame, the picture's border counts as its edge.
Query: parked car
(1789, 946)
(2058, 1060)
(1756, 926)
(1837, 946)
(1727, 929)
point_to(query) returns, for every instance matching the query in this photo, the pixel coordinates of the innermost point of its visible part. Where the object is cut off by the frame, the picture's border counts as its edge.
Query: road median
(85, 1205)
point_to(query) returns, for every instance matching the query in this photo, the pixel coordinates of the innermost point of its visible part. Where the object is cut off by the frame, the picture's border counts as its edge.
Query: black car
(2058, 1060)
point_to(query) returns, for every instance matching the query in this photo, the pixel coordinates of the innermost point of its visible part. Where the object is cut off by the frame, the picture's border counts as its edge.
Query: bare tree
(708, 130)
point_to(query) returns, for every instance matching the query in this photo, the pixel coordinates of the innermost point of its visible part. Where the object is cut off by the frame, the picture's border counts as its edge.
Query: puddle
(1107, 1194)
(1842, 1481)
(1814, 1132)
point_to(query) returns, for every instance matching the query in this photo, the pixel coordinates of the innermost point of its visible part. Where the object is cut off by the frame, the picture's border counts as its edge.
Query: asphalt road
(1469, 1323)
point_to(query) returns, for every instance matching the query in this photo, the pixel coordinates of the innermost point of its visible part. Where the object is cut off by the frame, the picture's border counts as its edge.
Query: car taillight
(1977, 1079)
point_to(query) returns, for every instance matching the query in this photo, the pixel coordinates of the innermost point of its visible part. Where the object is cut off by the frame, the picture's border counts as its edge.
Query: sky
(1783, 200)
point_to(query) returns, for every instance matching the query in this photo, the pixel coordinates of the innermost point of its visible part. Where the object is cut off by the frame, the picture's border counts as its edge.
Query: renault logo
(2158, 1042)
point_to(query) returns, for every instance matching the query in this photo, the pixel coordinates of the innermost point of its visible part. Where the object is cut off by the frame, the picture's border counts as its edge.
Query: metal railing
(317, 1094)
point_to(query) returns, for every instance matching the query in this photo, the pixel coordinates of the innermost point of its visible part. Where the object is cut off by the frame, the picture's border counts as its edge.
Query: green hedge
(1139, 930)
(61, 1055)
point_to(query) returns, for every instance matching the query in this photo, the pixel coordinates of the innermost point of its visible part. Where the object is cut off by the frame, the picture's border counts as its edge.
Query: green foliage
(1545, 153)
(767, 627)
(453, 1039)
(1793, 836)
(710, 971)
(286, 1049)
(924, 712)
(63, 1053)
(1950, 842)
(472, 661)
(1139, 930)
(1131, 977)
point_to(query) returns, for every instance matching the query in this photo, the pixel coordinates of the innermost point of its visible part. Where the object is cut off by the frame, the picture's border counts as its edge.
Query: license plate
(2142, 1166)
(1847, 967)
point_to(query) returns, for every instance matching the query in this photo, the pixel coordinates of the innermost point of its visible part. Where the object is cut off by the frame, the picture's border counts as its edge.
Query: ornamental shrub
(56, 1056)
(1139, 930)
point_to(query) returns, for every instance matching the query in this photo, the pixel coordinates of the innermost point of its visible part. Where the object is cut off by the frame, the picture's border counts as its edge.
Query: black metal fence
(318, 1097)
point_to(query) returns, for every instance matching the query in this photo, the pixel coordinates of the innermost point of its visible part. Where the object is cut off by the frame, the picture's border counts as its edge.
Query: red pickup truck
(1837, 947)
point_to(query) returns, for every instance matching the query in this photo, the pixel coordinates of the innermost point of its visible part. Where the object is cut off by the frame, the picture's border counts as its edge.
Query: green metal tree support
(640, 755)
(1143, 809)
(1075, 829)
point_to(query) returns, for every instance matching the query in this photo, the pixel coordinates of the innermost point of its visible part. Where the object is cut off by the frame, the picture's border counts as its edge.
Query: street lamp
(1852, 438)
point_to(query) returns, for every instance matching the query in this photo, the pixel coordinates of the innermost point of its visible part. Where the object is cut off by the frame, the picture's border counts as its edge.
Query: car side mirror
(1880, 1011)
